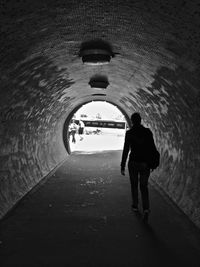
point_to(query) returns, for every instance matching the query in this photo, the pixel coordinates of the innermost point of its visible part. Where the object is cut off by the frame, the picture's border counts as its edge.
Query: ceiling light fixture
(96, 52)
(99, 82)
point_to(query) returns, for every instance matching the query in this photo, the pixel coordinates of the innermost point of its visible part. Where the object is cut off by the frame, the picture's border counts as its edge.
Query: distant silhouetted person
(73, 127)
(81, 129)
(140, 143)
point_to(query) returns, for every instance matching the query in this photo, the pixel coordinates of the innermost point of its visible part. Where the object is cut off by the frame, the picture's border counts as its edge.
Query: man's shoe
(134, 208)
(146, 216)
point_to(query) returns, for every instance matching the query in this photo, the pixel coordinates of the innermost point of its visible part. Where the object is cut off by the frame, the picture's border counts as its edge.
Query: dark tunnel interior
(154, 70)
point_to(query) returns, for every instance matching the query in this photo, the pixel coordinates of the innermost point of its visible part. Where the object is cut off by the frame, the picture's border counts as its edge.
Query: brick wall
(155, 71)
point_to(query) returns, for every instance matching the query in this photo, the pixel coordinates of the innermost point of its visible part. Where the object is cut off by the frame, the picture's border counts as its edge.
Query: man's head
(136, 118)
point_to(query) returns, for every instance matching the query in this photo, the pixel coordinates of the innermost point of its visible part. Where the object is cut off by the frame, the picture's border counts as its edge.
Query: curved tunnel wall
(155, 71)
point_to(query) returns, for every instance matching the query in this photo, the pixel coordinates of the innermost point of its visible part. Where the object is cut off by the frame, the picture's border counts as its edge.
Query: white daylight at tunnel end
(99, 138)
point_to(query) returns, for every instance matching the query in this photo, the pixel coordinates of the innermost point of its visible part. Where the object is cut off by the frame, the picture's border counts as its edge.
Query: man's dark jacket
(141, 143)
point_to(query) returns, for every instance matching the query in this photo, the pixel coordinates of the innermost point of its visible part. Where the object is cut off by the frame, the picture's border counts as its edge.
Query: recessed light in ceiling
(99, 82)
(98, 94)
(96, 52)
(96, 56)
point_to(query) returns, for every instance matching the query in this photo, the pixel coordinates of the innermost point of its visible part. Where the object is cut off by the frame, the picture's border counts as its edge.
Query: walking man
(81, 129)
(140, 143)
(73, 128)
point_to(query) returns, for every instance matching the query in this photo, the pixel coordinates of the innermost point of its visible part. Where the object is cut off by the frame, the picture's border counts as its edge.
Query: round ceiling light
(96, 56)
(99, 82)
(96, 52)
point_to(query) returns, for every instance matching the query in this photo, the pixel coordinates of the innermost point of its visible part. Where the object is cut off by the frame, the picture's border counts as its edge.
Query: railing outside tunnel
(103, 124)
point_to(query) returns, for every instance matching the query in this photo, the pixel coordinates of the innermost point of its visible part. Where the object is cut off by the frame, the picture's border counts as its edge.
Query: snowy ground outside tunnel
(110, 140)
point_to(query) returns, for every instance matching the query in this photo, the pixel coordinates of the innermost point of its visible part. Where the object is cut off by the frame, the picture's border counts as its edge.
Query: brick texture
(155, 71)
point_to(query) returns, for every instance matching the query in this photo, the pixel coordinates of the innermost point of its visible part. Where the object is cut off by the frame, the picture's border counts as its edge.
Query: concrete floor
(81, 216)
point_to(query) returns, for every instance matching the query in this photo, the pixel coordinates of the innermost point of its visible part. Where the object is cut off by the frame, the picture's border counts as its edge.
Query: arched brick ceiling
(155, 70)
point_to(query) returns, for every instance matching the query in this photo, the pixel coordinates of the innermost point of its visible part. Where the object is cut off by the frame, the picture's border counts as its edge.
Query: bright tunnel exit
(96, 126)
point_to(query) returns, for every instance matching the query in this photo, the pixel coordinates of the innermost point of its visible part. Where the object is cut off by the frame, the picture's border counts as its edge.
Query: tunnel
(153, 49)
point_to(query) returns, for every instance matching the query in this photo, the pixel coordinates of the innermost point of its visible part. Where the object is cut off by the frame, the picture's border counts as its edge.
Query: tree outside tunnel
(104, 127)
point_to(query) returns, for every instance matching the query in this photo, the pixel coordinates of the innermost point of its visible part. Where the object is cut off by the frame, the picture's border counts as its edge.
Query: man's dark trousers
(139, 172)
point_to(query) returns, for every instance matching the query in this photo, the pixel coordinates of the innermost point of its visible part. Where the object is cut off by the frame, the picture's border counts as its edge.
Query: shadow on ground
(81, 216)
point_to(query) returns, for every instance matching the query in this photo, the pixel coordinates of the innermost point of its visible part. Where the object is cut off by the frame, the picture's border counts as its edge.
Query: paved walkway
(81, 217)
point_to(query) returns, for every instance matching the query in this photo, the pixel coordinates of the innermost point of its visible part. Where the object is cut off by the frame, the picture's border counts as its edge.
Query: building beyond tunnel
(154, 61)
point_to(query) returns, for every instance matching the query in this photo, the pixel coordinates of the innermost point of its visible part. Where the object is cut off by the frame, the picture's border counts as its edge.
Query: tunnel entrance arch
(78, 107)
